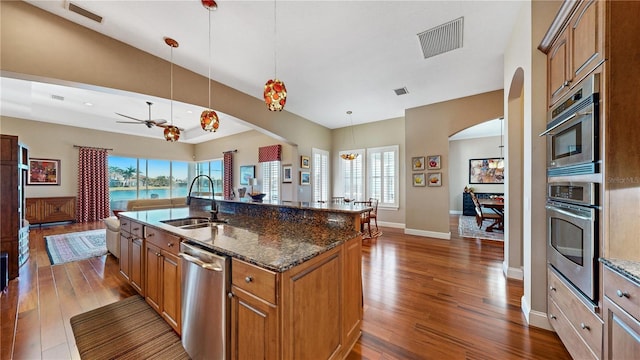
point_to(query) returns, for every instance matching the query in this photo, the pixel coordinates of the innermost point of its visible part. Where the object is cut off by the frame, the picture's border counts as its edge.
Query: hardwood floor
(424, 299)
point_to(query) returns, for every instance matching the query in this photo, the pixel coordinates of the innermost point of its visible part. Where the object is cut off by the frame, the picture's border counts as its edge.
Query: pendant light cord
(275, 41)
(209, 78)
(171, 85)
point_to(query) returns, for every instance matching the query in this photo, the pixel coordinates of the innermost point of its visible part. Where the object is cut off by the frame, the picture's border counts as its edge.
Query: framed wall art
(247, 172)
(305, 178)
(304, 162)
(417, 163)
(418, 180)
(486, 171)
(434, 179)
(433, 162)
(287, 171)
(44, 172)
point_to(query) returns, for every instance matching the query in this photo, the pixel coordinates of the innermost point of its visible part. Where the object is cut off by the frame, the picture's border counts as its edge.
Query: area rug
(467, 227)
(76, 246)
(127, 329)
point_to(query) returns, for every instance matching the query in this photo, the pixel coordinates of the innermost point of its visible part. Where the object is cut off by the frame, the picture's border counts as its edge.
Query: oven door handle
(549, 130)
(568, 212)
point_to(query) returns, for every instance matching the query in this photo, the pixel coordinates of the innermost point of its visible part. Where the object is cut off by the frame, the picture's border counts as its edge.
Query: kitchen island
(296, 283)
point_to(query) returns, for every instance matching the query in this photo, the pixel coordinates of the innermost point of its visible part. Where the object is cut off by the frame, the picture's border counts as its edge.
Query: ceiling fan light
(349, 156)
(275, 95)
(171, 133)
(209, 120)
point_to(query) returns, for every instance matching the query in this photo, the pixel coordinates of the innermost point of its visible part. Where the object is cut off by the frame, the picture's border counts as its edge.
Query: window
(213, 169)
(352, 176)
(271, 180)
(382, 175)
(320, 175)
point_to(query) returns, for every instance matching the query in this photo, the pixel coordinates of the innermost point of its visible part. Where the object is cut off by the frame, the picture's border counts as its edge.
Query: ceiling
(333, 56)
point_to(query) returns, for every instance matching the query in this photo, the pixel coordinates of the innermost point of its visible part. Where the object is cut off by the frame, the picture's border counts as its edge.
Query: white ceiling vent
(401, 91)
(84, 12)
(442, 38)
(57, 97)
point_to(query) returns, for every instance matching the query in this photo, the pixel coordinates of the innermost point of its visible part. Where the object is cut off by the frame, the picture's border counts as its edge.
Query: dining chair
(365, 217)
(337, 200)
(374, 213)
(481, 217)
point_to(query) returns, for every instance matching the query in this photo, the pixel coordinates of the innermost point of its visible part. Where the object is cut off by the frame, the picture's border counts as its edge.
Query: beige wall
(39, 45)
(427, 131)
(460, 151)
(376, 134)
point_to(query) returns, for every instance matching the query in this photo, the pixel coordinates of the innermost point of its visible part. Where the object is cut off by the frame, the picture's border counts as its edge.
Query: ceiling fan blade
(129, 117)
(128, 122)
(159, 121)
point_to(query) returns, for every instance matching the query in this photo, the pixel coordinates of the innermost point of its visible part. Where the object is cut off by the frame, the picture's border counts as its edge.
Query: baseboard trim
(534, 318)
(391, 224)
(426, 233)
(512, 273)
(455, 212)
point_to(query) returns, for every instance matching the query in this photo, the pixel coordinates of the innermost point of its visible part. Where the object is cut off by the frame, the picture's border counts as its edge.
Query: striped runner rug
(127, 329)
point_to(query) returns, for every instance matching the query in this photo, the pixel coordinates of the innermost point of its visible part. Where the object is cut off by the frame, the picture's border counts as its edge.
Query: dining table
(497, 206)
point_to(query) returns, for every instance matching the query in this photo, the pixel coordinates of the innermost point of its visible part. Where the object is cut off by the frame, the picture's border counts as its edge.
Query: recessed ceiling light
(88, 103)
(189, 112)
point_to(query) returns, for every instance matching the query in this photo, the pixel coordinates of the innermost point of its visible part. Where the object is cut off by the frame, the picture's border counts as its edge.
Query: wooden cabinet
(312, 311)
(577, 50)
(579, 328)
(131, 253)
(622, 317)
(51, 209)
(163, 275)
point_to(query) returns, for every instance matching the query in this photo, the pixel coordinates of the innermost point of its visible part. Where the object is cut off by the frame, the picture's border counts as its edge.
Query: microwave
(572, 131)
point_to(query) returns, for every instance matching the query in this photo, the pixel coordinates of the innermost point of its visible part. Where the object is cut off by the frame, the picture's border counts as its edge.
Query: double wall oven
(572, 204)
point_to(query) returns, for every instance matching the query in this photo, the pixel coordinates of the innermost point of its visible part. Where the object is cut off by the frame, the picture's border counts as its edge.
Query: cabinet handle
(552, 288)
(136, 228)
(621, 293)
(553, 317)
(158, 254)
(584, 327)
(566, 83)
(230, 295)
(248, 279)
(170, 244)
(151, 234)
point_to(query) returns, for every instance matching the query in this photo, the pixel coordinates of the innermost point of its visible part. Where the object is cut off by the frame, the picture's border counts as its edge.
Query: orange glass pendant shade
(209, 4)
(350, 156)
(171, 133)
(209, 120)
(275, 95)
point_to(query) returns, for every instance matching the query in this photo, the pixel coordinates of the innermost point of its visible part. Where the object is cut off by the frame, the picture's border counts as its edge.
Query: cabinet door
(125, 264)
(254, 327)
(136, 275)
(623, 333)
(558, 61)
(587, 28)
(153, 265)
(171, 290)
(352, 289)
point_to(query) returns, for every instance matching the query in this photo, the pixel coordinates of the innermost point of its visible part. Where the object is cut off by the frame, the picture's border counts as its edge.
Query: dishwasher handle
(202, 264)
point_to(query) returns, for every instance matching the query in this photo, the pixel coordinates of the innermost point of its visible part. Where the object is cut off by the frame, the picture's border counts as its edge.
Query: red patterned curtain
(227, 183)
(93, 185)
(270, 153)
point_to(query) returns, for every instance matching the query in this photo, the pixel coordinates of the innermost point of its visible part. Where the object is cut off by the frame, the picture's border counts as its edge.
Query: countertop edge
(627, 268)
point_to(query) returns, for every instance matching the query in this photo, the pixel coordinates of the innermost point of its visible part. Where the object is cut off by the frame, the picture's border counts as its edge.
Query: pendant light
(350, 156)
(501, 161)
(275, 93)
(171, 132)
(209, 120)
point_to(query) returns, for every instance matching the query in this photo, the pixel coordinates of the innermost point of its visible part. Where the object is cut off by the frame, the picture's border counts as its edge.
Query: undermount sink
(194, 222)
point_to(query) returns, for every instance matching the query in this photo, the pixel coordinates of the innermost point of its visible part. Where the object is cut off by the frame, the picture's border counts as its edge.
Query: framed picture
(433, 162)
(304, 162)
(486, 171)
(434, 179)
(44, 172)
(305, 178)
(287, 171)
(417, 163)
(418, 180)
(247, 172)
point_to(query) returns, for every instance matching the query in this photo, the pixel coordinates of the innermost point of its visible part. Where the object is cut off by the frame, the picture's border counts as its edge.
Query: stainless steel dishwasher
(206, 308)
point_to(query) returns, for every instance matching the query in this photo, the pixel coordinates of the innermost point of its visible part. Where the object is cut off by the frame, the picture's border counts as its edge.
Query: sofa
(113, 222)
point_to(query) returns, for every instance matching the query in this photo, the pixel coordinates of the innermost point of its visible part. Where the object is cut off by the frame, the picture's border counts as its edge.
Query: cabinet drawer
(125, 225)
(258, 281)
(163, 240)
(587, 324)
(622, 292)
(137, 230)
(574, 343)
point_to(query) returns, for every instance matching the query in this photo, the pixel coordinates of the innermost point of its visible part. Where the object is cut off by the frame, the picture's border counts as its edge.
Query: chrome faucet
(214, 205)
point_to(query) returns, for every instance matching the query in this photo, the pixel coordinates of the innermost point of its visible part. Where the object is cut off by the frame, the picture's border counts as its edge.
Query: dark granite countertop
(628, 269)
(269, 243)
(347, 207)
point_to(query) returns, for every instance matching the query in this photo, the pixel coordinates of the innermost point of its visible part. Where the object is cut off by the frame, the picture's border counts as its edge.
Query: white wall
(460, 151)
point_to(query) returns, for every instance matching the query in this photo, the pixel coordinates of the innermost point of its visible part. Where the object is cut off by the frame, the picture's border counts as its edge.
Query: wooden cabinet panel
(153, 267)
(574, 343)
(171, 290)
(163, 240)
(254, 327)
(623, 333)
(558, 70)
(132, 255)
(125, 264)
(352, 289)
(623, 292)
(137, 264)
(10, 217)
(255, 280)
(50, 209)
(587, 43)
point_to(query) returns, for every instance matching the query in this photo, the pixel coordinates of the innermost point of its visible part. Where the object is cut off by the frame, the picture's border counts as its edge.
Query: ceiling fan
(149, 123)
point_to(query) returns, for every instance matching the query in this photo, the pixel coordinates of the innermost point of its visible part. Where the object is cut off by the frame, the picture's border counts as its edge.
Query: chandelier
(275, 92)
(209, 120)
(350, 156)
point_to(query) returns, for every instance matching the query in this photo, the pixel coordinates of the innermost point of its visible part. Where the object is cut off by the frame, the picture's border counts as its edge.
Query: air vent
(401, 91)
(57, 97)
(86, 13)
(442, 38)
